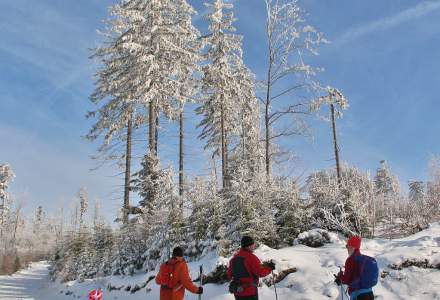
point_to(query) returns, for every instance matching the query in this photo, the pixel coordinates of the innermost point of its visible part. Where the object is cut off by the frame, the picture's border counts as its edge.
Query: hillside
(410, 268)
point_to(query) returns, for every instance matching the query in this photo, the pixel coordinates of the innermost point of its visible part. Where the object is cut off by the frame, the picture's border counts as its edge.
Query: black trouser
(366, 296)
(246, 297)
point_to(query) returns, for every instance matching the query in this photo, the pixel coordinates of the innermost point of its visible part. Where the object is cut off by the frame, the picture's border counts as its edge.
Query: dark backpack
(239, 272)
(368, 272)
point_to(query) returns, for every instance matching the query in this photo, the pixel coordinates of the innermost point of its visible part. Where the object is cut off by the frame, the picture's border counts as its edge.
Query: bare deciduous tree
(289, 41)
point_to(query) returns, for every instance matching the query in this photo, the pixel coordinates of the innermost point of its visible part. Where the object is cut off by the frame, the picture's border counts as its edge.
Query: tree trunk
(214, 167)
(267, 141)
(267, 120)
(2, 216)
(127, 170)
(223, 150)
(181, 153)
(227, 179)
(156, 133)
(152, 127)
(17, 217)
(335, 144)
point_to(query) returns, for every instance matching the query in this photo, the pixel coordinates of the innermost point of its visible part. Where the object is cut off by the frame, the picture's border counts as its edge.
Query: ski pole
(342, 293)
(274, 286)
(201, 282)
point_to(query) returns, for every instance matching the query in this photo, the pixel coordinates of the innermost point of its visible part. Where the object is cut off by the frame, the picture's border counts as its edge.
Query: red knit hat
(354, 242)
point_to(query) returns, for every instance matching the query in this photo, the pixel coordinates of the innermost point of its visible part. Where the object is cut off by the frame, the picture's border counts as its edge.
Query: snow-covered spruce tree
(6, 176)
(385, 183)
(231, 127)
(83, 206)
(150, 47)
(347, 207)
(417, 191)
(248, 206)
(248, 210)
(74, 257)
(433, 189)
(130, 242)
(205, 218)
(103, 240)
(188, 77)
(85, 256)
(42, 232)
(414, 212)
(161, 213)
(247, 152)
(147, 183)
(7, 254)
(38, 220)
(434, 177)
(289, 42)
(207, 204)
(170, 209)
(220, 85)
(423, 206)
(387, 191)
(117, 106)
(290, 211)
(160, 41)
(78, 256)
(198, 195)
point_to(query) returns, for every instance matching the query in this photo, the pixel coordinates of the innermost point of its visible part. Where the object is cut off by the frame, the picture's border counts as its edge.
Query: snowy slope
(313, 280)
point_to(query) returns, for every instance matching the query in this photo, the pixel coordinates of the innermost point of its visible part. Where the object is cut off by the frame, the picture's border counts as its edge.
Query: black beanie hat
(177, 252)
(246, 241)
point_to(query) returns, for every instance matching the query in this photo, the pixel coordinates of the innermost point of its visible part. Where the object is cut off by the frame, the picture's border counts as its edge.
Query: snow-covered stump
(422, 263)
(279, 277)
(218, 276)
(315, 238)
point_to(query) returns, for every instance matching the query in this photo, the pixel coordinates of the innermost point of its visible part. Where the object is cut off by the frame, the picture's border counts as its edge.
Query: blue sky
(384, 56)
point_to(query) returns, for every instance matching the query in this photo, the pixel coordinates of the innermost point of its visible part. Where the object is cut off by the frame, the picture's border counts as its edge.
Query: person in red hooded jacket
(352, 271)
(245, 270)
(179, 279)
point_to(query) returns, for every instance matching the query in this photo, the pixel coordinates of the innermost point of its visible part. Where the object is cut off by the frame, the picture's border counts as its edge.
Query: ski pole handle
(274, 286)
(342, 289)
(200, 277)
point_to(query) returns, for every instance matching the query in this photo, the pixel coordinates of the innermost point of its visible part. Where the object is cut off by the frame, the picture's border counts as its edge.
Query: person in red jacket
(352, 271)
(245, 270)
(174, 279)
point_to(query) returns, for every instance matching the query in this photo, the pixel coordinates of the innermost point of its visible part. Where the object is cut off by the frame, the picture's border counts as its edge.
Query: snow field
(313, 280)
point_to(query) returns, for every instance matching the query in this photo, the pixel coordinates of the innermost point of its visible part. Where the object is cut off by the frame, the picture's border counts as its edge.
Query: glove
(270, 264)
(337, 279)
(200, 291)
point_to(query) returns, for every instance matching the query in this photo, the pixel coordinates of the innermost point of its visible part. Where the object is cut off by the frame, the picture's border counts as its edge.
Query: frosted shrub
(314, 238)
(347, 207)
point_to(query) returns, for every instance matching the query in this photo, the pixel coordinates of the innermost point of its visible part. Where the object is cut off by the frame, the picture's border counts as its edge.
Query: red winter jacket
(351, 272)
(181, 281)
(247, 267)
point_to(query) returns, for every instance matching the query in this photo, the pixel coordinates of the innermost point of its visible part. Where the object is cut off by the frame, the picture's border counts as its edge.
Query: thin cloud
(388, 22)
(204, 12)
(52, 40)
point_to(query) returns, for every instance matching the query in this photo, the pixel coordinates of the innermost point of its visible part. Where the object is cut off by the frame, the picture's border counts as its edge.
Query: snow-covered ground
(313, 280)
